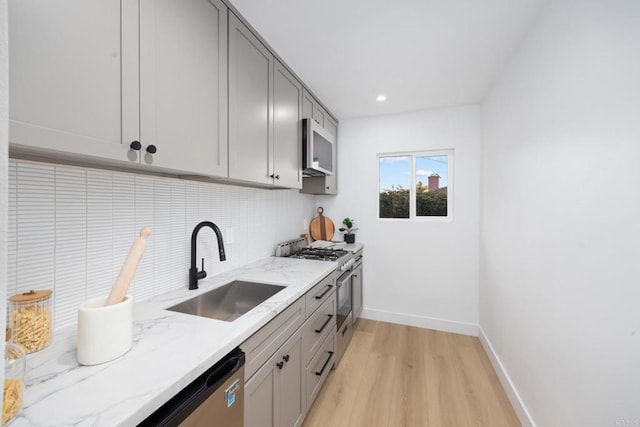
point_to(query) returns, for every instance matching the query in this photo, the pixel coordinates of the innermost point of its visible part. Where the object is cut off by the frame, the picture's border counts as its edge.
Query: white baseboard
(507, 384)
(422, 322)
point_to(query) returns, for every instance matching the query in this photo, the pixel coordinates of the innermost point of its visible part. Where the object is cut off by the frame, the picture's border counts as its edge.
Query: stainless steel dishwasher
(215, 398)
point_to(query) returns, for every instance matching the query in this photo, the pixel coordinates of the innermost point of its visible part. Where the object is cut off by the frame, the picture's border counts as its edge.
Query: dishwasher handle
(226, 369)
(182, 404)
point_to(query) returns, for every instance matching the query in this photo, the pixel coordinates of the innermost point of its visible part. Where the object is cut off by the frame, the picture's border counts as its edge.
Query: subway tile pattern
(71, 228)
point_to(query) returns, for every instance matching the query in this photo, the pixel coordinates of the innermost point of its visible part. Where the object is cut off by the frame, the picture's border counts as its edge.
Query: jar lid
(31, 296)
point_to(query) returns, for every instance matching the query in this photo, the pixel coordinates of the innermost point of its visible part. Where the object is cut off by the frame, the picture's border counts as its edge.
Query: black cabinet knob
(135, 145)
(274, 176)
(285, 358)
(151, 149)
(277, 176)
(280, 365)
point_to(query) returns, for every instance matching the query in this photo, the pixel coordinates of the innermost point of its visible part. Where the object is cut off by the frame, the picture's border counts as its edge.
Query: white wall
(416, 273)
(71, 228)
(560, 218)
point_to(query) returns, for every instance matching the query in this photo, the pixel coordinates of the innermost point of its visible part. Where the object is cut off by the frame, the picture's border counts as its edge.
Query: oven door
(344, 315)
(343, 294)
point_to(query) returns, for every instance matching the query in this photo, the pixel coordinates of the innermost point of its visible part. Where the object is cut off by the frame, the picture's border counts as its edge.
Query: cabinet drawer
(317, 327)
(320, 293)
(261, 345)
(319, 368)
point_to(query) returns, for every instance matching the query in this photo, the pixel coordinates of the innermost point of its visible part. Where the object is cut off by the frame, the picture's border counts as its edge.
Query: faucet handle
(202, 274)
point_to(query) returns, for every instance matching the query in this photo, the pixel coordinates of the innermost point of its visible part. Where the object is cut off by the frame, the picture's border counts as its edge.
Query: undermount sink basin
(228, 302)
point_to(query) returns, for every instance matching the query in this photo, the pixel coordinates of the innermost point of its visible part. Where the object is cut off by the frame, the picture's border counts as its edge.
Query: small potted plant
(348, 230)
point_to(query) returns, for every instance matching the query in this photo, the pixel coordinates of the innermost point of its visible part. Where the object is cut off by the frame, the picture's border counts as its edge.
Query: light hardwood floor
(394, 375)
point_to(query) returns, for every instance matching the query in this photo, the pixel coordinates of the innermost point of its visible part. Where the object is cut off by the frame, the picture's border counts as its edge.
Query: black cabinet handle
(151, 149)
(277, 176)
(135, 145)
(324, 325)
(325, 364)
(320, 296)
(280, 365)
(285, 357)
(274, 176)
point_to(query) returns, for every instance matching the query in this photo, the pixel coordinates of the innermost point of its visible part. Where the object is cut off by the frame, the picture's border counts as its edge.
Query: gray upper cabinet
(265, 105)
(319, 114)
(250, 105)
(88, 79)
(183, 91)
(308, 104)
(73, 69)
(321, 184)
(287, 137)
(182, 87)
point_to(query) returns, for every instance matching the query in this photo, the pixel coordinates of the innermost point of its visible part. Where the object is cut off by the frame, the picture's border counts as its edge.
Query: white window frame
(412, 186)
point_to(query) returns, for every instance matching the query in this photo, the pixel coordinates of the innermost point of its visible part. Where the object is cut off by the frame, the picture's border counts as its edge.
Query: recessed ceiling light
(381, 98)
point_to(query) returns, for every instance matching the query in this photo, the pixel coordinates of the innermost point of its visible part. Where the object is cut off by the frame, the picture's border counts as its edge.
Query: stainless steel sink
(228, 302)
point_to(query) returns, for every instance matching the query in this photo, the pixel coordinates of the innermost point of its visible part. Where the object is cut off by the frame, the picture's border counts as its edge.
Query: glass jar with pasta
(13, 390)
(30, 319)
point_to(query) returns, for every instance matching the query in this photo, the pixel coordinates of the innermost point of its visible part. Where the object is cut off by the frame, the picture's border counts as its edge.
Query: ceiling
(419, 53)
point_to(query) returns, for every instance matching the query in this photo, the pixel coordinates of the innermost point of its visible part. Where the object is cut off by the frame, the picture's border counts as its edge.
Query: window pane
(431, 185)
(395, 182)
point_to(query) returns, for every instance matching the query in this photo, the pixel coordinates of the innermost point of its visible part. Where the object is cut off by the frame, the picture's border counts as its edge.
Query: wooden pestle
(128, 270)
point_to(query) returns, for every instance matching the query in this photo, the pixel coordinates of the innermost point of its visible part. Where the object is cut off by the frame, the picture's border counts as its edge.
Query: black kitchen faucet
(194, 274)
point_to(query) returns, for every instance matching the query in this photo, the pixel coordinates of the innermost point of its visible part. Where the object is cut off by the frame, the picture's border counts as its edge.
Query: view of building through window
(414, 185)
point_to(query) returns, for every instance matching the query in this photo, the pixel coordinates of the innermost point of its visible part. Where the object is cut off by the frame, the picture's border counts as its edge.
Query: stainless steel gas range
(345, 260)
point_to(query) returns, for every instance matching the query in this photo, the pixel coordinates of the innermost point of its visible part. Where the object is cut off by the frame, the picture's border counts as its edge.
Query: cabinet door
(183, 85)
(259, 393)
(250, 105)
(319, 115)
(290, 395)
(74, 77)
(357, 293)
(331, 181)
(308, 105)
(274, 395)
(287, 136)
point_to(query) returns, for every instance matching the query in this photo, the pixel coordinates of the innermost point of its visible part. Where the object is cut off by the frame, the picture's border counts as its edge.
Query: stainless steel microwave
(317, 149)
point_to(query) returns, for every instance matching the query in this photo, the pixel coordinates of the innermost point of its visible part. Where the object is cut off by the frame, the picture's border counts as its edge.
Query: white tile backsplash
(71, 228)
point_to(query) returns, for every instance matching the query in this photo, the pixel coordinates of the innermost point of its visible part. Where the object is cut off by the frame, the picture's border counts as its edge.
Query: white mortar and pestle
(105, 329)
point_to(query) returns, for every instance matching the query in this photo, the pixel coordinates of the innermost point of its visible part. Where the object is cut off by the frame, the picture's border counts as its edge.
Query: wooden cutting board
(321, 227)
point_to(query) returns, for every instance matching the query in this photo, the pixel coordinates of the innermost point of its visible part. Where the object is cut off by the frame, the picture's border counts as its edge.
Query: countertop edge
(54, 376)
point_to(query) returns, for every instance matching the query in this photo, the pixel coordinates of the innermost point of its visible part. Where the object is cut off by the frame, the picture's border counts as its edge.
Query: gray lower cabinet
(275, 395)
(288, 360)
(318, 369)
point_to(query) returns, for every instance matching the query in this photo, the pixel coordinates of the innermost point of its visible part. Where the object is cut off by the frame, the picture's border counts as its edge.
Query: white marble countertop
(169, 351)
(353, 247)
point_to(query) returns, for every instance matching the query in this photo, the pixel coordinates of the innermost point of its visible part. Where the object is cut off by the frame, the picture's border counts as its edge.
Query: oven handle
(320, 296)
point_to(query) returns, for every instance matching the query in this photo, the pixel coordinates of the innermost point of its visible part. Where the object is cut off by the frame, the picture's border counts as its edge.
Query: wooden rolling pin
(128, 270)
